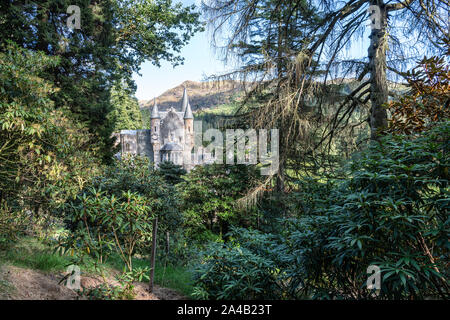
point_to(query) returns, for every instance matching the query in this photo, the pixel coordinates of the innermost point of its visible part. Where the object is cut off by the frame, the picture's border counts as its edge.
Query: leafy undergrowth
(34, 254)
(174, 277)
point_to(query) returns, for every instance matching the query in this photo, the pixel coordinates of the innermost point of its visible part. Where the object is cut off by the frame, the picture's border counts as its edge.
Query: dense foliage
(125, 114)
(114, 213)
(243, 268)
(13, 224)
(209, 196)
(46, 155)
(338, 207)
(172, 172)
(429, 99)
(389, 209)
(114, 38)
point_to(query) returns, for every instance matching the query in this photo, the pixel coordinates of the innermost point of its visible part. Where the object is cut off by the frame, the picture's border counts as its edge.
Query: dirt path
(28, 284)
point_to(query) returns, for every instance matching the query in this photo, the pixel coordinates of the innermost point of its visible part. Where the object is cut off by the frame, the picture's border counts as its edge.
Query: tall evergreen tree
(126, 113)
(298, 53)
(171, 172)
(115, 37)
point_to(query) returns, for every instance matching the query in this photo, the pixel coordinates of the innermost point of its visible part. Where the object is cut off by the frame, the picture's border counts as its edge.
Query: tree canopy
(126, 113)
(298, 57)
(114, 38)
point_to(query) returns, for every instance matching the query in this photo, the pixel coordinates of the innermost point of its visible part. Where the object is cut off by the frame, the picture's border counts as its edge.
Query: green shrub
(244, 268)
(105, 291)
(172, 172)
(136, 174)
(104, 224)
(392, 212)
(389, 208)
(114, 212)
(46, 154)
(209, 195)
(13, 224)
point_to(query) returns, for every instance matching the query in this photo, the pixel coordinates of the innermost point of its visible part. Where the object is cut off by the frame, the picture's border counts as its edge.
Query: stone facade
(170, 138)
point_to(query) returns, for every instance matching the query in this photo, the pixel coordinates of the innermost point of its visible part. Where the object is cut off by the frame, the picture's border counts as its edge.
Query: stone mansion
(170, 137)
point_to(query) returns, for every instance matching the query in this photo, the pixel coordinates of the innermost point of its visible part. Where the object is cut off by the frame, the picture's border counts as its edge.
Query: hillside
(212, 100)
(202, 95)
(213, 94)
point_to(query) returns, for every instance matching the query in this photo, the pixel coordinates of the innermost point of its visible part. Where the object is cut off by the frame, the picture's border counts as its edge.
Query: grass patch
(177, 278)
(31, 253)
(42, 261)
(174, 277)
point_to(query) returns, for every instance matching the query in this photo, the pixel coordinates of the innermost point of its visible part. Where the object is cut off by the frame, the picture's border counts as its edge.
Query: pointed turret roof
(185, 101)
(188, 113)
(155, 112)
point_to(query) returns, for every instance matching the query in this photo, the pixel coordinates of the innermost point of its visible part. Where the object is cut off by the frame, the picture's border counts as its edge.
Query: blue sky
(200, 61)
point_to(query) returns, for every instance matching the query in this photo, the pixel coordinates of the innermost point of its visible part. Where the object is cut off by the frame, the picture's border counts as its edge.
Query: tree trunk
(42, 42)
(153, 256)
(377, 65)
(167, 243)
(280, 182)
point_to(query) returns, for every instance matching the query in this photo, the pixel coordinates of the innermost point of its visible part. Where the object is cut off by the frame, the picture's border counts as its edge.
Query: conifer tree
(114, 38)
(126, 113)
(171, 172)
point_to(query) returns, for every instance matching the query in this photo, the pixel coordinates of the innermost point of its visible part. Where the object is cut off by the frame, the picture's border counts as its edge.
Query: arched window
(127, 147)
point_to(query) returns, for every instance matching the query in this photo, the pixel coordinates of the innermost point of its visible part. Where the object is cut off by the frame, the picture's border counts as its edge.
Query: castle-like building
(170, 137)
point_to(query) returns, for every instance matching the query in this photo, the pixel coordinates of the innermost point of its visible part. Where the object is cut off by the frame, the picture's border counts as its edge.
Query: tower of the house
(155, 123)
(184, 101)
(188, 131)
